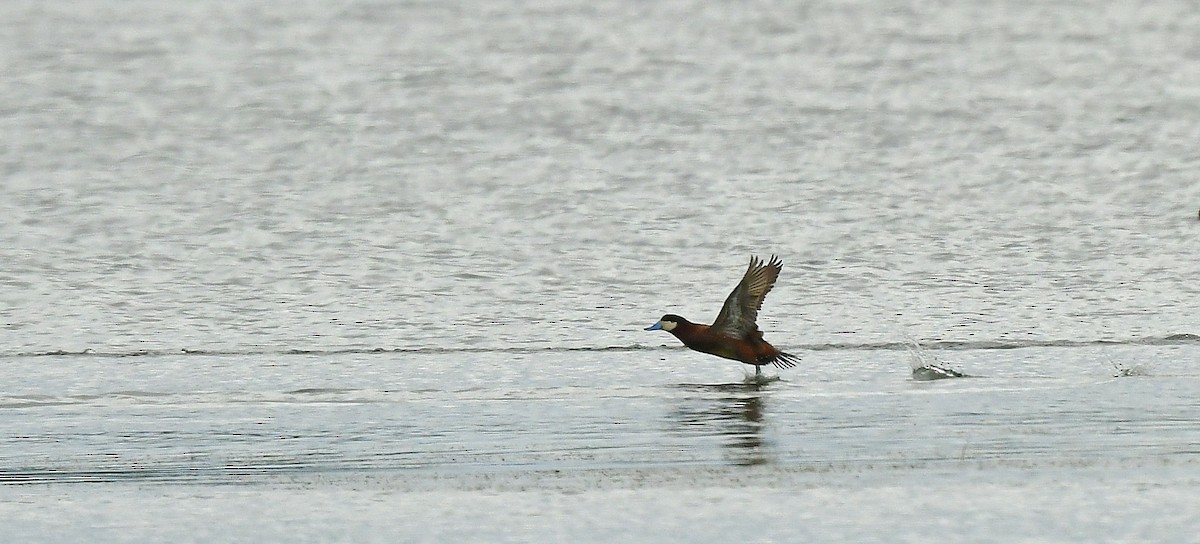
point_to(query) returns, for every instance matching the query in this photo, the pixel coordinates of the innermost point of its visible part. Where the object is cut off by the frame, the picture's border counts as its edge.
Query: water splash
(1124, 370)
(925, 365)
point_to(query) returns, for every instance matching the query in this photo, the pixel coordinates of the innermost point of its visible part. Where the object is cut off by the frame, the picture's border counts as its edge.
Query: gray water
(317, 270)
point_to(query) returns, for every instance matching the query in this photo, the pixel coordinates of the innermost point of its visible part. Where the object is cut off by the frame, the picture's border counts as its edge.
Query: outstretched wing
(739, 314)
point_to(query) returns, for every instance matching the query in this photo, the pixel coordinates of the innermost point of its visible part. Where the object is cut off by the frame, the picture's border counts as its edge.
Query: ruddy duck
(734, 334)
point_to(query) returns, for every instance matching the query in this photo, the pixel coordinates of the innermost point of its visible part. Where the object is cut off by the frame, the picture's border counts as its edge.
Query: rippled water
(402, 254)
(431, 414)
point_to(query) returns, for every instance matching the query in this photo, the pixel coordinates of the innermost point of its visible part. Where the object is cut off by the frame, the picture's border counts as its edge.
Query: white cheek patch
(668, 325)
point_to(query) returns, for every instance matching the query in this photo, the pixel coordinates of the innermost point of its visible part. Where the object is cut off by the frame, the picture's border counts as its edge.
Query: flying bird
(734, 334)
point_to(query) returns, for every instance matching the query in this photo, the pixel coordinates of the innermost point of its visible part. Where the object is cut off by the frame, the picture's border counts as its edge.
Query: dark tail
(785, 360)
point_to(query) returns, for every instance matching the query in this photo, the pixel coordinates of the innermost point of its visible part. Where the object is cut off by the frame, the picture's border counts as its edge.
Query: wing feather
(739, 315)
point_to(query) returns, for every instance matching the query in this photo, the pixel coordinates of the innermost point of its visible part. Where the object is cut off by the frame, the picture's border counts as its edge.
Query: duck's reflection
(733, 412)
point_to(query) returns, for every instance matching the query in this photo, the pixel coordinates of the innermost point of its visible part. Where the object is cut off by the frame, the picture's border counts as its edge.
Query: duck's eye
(668, 325)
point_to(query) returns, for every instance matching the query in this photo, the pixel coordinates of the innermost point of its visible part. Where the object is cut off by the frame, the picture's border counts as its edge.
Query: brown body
(702, 338)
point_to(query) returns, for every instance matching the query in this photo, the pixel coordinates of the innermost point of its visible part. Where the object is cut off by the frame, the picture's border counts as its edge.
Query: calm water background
(364, 258)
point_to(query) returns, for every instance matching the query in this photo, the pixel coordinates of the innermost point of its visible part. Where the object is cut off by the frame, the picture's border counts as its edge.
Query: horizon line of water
(899, 345)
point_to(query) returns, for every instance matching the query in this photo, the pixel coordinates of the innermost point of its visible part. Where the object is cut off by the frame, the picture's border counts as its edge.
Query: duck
(734, 334)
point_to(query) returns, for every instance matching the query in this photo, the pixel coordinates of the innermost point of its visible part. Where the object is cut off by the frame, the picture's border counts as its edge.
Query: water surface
(310, 269)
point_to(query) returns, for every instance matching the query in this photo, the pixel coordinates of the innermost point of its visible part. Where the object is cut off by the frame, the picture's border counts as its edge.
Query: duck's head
(667, 323)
